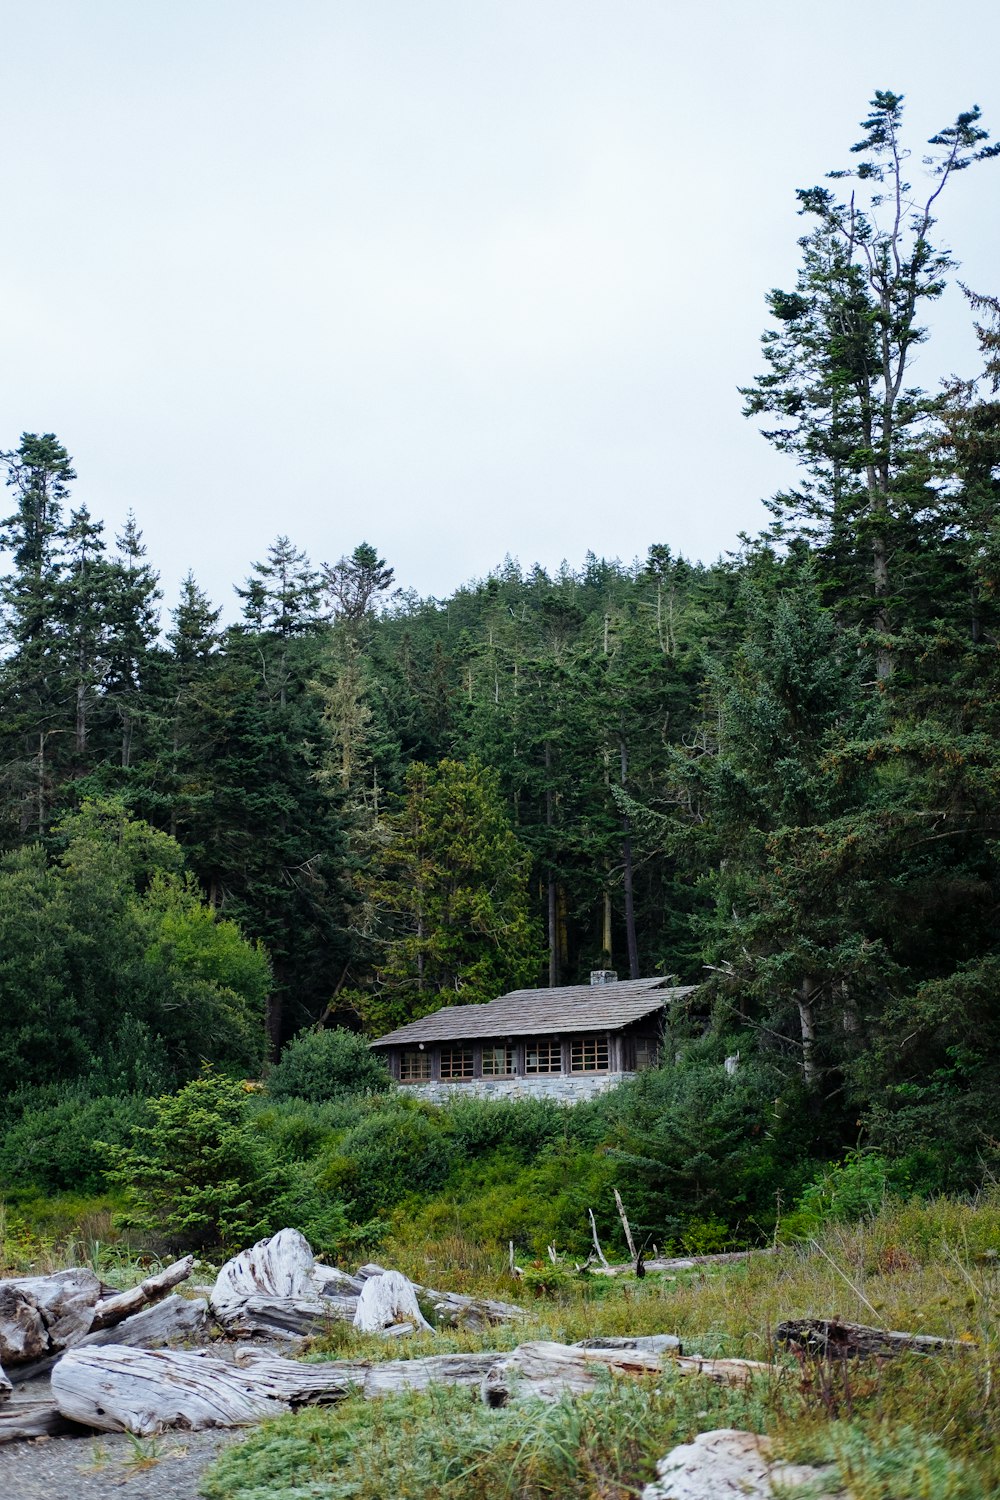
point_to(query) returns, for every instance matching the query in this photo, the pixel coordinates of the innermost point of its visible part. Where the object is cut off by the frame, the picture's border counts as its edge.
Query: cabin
(567, 1043)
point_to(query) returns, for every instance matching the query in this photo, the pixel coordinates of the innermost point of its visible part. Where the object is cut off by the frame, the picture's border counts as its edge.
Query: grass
(915, 1428)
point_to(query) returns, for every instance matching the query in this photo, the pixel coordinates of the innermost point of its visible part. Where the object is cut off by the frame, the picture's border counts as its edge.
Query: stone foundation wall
(565, 1089)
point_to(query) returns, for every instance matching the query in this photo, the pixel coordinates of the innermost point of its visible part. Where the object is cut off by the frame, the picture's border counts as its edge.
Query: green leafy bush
(53, 1146)
(841, 1192)
(325, 1065)
(199, 1176)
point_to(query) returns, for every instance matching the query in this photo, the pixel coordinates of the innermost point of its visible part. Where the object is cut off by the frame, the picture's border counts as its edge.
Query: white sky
(458, 277)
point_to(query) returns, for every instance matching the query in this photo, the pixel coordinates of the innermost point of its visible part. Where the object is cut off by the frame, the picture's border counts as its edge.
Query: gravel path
(100, 1464)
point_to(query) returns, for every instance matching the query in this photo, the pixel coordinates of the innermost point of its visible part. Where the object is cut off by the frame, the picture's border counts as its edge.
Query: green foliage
(453, 889)
(198, 1176)
(695, 1147)
(324, 1065)
(840, 1193)
(114, 968)
(52, 1147)
(446, 1444)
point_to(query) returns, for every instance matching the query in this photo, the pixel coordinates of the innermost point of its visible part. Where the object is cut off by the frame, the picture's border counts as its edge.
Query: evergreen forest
(775, 776)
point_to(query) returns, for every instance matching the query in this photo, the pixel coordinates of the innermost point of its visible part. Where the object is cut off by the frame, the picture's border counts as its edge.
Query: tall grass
(914, 1428)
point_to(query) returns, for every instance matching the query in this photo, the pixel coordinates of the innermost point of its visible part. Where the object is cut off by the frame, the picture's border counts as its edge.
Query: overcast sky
(458, 277)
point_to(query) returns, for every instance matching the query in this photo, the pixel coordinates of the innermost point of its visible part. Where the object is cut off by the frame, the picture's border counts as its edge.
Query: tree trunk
(804, 1000)
(630, 933)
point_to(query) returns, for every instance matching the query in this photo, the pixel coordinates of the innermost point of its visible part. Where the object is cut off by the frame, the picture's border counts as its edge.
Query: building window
(414, 1066)
(645, 1054)
(456, 1062)
(589, 1054)
(543, 1057)
(498, 1062)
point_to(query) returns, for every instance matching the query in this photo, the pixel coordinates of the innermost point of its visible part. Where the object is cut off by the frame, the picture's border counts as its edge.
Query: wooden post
(628, 1232)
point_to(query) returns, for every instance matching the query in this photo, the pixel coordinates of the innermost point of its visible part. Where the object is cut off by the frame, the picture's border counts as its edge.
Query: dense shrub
(52, 1147)
(199, 1176)
(323, 1065)
(400, 1147)
(695, 1146)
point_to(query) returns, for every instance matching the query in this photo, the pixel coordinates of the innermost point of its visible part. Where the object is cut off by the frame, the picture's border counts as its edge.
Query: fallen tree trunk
(112, 1310)
(30, 1419)
(473, 1313)
(386, 1301)
(115, 1389)
(131, 1390)
(165, 1322)
(824, 1338)
(546, 1371)
(42, 1314)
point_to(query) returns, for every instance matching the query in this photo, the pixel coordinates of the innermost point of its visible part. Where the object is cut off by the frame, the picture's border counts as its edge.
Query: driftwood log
(30, 1419)
(388, 1303)
(730, 1462)
(117, 1389)
(452, 1309)
(144, 1392)
(545, 1371)
(829, 1338)
(42, 1315)
(279, 1289)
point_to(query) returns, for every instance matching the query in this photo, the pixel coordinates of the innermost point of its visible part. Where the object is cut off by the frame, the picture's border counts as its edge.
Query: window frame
(593, 1044)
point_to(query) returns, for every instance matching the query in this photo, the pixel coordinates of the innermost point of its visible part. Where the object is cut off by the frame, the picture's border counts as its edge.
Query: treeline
(778, 773)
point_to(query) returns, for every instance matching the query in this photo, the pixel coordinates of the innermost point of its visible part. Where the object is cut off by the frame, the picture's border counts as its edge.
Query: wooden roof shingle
(571, 1007)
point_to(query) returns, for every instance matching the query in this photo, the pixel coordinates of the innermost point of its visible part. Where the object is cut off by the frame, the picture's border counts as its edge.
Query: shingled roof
(572, 1007)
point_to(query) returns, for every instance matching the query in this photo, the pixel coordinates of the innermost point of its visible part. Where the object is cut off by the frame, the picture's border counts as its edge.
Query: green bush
(399, 1146)
(841, 1192)
(53, 1146)
(325, 1065)
(199, 1176)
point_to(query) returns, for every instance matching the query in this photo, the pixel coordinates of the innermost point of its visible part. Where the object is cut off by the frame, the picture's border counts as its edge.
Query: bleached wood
(386, 1300)
(279, 1267)
(545, 1371)
(111, 1310)
(165, 1322)
(5, 1385)
(42, 1314)
(730, 1462)
(30, 1419)
(284, 1317)
(297, 1383)
(116, 1389)
(472, 1313)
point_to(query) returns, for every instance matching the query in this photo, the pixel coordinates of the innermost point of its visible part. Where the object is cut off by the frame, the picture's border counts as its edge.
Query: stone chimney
(603, 976)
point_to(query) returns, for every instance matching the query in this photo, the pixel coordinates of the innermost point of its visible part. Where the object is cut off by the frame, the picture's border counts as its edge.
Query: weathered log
(30, 1419)
(174, 1319)
(5, 1385)
(112, 1310)
(277, 1288)
(145, 1391)
(388, 1300)
(657, 1343)
(277, 1268)
(130, 1390)
(284, 1317)
(829, 1338)
(452, 1308)
(730, 1462)
(300, 1384)
(546, 1371)
(41, 1314)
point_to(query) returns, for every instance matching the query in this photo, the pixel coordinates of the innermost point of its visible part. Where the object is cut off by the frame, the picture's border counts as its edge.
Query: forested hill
(779, 772)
